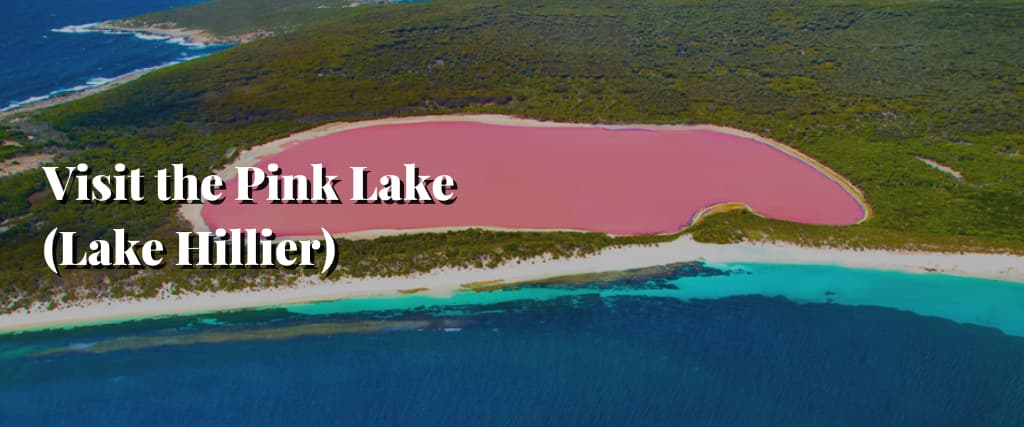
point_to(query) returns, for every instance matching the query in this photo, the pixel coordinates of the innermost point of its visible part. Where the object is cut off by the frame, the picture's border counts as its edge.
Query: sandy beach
(446, 281)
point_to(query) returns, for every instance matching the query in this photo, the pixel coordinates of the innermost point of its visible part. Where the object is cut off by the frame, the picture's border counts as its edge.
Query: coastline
(445, 282)
(181, 35)
(61, 98)
(184, 37)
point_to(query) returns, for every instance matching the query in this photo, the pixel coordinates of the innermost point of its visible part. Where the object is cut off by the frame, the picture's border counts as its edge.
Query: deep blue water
(641, 352)
(38, 62)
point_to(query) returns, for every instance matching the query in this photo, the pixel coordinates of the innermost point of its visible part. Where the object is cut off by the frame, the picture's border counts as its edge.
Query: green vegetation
(862, 86)
(227, 18)
(12, 142)
(8, 134)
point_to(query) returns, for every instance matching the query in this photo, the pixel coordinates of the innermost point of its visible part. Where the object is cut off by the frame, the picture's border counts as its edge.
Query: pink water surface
(623, 182)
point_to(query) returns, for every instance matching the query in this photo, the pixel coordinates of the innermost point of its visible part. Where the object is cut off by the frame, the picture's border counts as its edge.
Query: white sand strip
(941, 167)
(445, 281)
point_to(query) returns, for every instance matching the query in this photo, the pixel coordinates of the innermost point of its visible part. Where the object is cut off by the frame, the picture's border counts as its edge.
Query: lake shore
(199, 216)
(446, 281)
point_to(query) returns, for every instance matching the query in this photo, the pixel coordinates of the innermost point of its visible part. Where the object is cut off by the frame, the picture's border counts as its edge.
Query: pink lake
(590, 178)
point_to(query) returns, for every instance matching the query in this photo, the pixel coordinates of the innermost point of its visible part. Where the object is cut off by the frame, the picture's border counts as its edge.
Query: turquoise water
(729, 345)
(983, 302)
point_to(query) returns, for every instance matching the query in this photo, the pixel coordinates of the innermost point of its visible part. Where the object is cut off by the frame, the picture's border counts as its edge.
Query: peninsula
(824, 151)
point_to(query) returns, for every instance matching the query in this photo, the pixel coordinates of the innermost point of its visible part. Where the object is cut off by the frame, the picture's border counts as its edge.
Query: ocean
(750, 344)
(46, 51)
